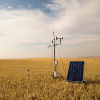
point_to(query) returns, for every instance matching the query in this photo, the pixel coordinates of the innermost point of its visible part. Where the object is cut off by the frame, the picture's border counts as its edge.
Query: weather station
(55, 73)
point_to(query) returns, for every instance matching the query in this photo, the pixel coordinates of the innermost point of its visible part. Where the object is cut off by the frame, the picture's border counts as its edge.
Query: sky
(26, 28)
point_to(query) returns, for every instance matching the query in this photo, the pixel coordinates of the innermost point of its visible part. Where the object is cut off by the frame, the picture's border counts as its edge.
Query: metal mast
(54, 50)
(53, 41)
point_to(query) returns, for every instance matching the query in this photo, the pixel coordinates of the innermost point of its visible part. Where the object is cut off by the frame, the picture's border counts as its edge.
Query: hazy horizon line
(50, 57)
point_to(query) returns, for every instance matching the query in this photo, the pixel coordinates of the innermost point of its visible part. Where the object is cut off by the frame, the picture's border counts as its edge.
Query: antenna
(53, 27)
(55, 73)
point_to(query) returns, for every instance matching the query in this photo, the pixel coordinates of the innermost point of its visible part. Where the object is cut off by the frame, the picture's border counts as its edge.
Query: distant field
(15, 84)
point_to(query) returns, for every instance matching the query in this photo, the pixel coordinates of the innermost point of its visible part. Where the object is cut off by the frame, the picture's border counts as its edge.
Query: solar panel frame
(71, 72)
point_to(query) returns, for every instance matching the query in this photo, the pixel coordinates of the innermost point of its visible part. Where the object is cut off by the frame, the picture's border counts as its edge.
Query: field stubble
(15, 84)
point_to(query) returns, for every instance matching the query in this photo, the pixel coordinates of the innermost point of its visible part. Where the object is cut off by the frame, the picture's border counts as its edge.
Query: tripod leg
(52, 75)
(60, 74)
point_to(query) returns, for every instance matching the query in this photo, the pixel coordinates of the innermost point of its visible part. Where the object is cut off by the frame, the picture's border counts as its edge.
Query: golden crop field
(15, 84)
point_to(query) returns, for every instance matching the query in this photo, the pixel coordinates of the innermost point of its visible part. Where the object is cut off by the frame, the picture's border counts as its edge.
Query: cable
(51, 60)
(61, 58)
(51, 57)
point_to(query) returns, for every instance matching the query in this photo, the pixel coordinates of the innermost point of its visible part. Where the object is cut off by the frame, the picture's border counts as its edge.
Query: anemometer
(55, 73)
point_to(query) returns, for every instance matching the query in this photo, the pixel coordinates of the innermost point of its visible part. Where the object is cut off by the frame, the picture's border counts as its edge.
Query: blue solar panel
(75, 72)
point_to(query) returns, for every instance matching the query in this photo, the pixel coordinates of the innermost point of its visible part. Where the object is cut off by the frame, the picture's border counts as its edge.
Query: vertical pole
(54, 52)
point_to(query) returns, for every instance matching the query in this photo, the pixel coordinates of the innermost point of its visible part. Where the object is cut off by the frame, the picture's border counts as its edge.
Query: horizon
(49, 58)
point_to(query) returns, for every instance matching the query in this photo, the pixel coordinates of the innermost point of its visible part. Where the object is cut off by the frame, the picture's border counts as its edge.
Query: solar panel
(75, 72)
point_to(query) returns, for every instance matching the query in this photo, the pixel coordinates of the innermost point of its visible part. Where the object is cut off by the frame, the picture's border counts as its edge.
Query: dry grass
(39, 85)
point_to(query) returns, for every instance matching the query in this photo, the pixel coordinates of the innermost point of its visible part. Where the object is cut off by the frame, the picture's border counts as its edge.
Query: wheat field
(15, 84)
